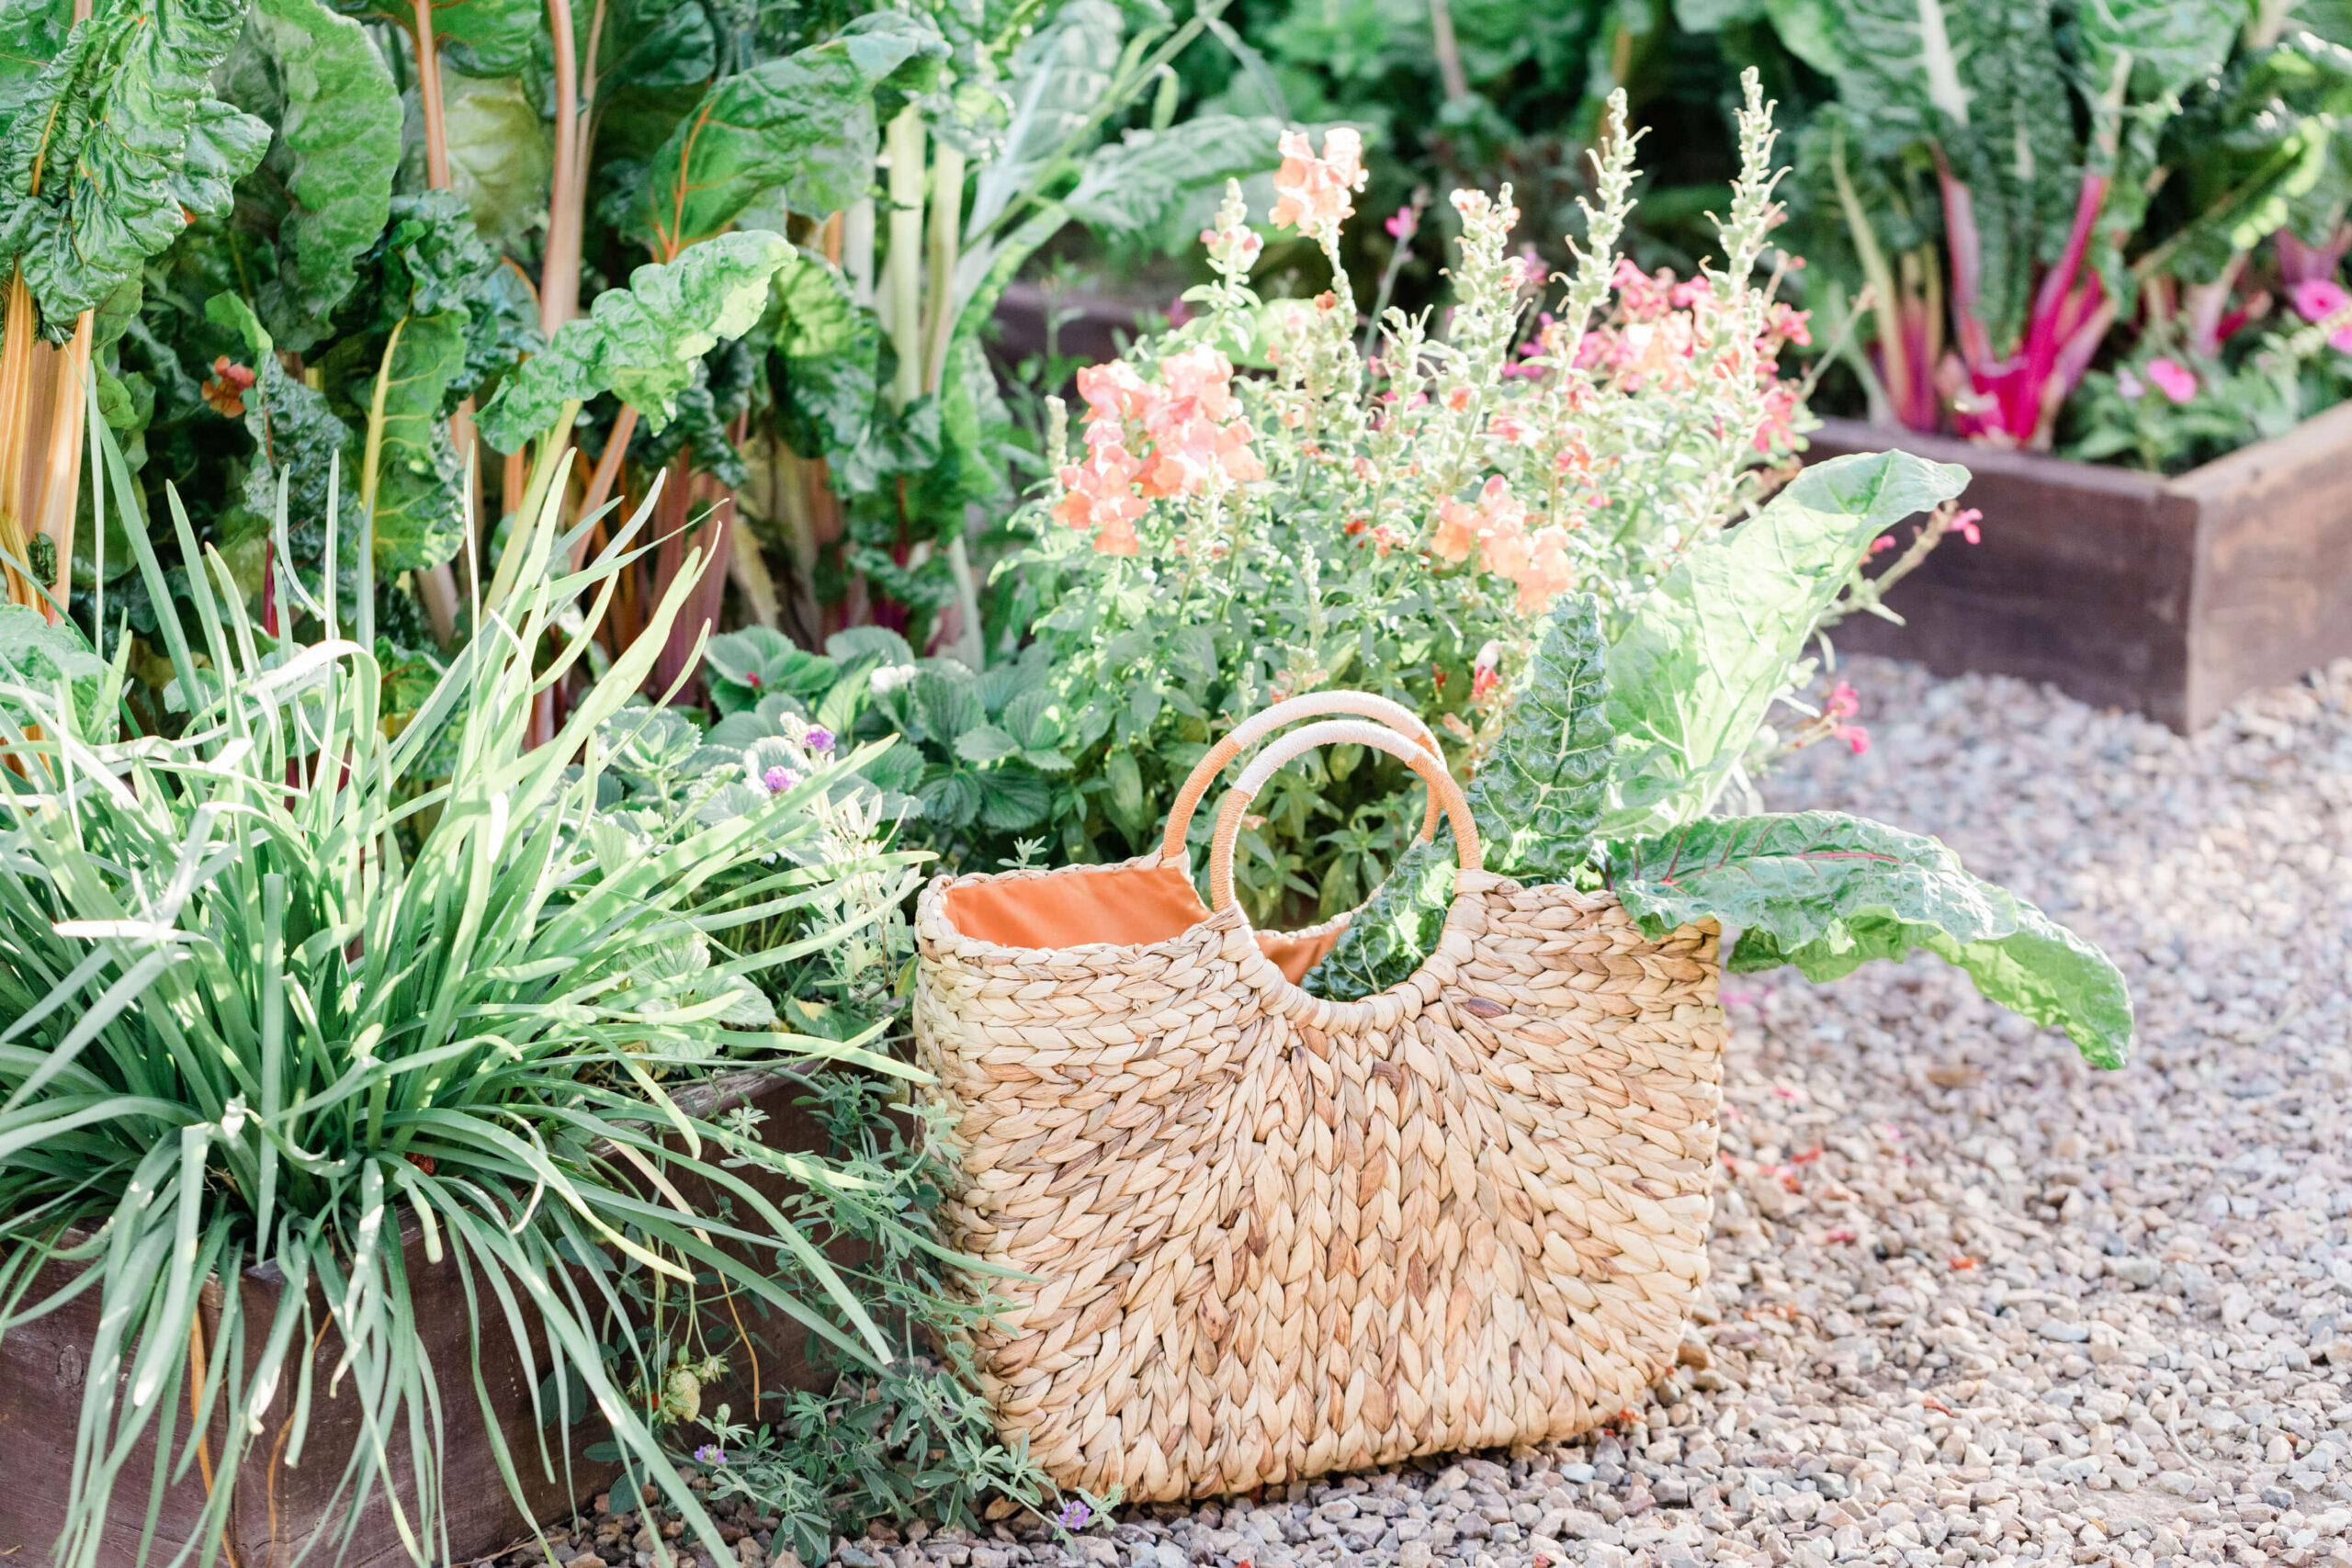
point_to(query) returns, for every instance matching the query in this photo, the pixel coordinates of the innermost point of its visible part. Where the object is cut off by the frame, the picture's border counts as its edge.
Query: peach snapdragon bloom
(1495, 523)
(1182, 435)
(1313, 192)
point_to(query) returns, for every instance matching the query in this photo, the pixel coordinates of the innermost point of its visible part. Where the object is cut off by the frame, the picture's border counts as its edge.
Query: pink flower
(1854, 736)
(2175, 381)
(1312, 193)
(2128, 386)
(1844, 701)
(1403, 225)
(1883, 542)
(2316, 298)
(1964, 524)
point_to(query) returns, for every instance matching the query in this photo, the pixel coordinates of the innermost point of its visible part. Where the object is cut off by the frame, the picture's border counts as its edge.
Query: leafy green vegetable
(116, 148)
(1535, 801)
(1711, 647)
(480, 38)
(419, 505)
(642, 342)
(295, 437)
(35, 654)
(1827, 893)
(804, 123)
(327, 181)
(1144, 184)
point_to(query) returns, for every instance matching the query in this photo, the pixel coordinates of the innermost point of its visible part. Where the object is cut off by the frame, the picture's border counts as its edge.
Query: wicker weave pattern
(1276, 1236)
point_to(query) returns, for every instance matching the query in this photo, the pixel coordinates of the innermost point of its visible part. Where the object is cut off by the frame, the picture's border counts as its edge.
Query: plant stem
(946, 220)
(560, 268)
(609, 471)
(428, 95)
(902, 268)
(1448, 51)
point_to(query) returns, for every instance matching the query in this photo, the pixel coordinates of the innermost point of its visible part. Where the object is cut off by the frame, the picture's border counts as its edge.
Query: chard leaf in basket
(1540, 792)
(1827, 892)
(1712, 645)
(1535, 801)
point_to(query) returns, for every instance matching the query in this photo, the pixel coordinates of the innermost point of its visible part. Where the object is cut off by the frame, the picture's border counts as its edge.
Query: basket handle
(1399, 718)
(1443, 792)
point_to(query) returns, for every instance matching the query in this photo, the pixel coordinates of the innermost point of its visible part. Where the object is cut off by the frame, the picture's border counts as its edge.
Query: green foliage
(1535, 800)
(802, 125)
(1827, 893)
(419, 517)
(1708, 652)
(115, 146)
(326, 185)
(260, 1008)
(977, 755)
(642, 342)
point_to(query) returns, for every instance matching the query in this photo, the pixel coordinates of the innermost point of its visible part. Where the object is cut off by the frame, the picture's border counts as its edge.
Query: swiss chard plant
(1614, 756)
(2010, 193)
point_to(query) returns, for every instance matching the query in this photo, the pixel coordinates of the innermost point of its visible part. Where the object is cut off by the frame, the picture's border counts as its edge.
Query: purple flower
(710, 1453)
(818, 739)
(778, 779)
(1075, 1515)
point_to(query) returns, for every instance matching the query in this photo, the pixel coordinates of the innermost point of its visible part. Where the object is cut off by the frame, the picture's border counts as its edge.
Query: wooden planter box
(279, 1512)
(2171, 597)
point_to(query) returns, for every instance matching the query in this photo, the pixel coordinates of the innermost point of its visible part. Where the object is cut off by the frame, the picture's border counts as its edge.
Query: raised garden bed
(281, 1512)
(2170, 597)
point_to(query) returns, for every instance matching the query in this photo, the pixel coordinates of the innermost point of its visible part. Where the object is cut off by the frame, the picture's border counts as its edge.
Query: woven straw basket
(1270, 1236)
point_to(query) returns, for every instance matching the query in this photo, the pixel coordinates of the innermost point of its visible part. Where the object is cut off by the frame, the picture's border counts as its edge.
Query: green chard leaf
(804, 123)
(296, 436)
(1827, 892)
(118, 147)
(420, 506)
(1710, 646)
(642, 342)
(480, 38)
(326, 185)
(1143, 185)
(1536, 800)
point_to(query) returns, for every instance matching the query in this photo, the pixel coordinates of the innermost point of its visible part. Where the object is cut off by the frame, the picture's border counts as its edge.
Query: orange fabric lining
(1127, 907)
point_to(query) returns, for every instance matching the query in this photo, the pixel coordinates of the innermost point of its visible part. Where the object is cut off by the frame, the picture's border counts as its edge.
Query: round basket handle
(1399, 718)
(1443, 792)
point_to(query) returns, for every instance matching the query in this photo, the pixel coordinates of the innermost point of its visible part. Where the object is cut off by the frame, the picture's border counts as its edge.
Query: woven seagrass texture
(1275, 1235)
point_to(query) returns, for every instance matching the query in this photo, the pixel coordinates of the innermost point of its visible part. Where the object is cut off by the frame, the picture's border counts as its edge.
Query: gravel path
(1973, 1302)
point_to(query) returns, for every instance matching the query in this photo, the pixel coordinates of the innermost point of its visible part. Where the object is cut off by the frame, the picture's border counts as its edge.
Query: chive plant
(272, 993)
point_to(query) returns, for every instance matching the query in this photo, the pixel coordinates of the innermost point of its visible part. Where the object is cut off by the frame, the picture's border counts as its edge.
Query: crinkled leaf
(1712, 645)
(642, 342)
(500, 158)
(1141, 185)
(1540, 791)
(804, 123)
(35, 653)
(1535, 801)
(419, 507)
(295, 434)
(1827, 893)
(479, 38)
(326, 185)
(116, 147)
(831, 352)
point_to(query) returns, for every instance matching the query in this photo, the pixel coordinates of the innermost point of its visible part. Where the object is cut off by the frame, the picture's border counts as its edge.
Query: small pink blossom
(1844, 701)
(1883, 542)
(2174, 379)
(1403, 225)
(2316, 298)
(1965, 524)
